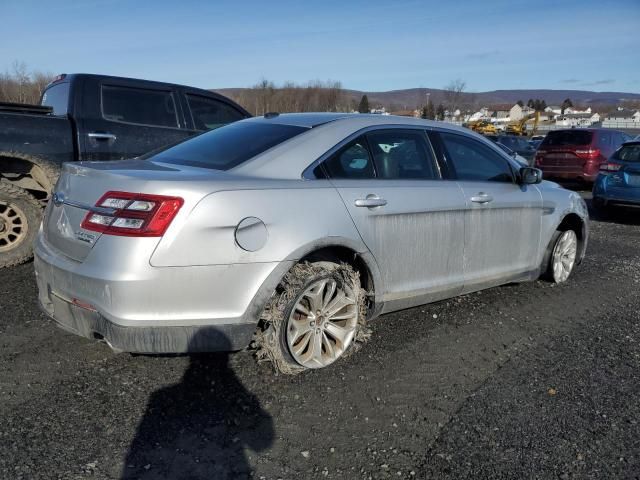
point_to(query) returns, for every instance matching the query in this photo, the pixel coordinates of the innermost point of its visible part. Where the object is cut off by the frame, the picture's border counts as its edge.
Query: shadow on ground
(202, 427)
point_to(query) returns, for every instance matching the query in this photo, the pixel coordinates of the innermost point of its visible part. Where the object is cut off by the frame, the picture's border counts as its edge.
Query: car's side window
(402, 154)
(139, 105)
(351, 161)
(209, 113)
(474, 161)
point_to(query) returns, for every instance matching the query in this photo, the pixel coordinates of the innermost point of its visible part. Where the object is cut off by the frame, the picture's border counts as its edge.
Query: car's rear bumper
(148, 339)
(155, 310)
(550, 172)
(619, 200)
(618, 195)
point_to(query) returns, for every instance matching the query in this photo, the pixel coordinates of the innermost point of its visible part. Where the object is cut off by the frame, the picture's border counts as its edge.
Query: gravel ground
(523, 381)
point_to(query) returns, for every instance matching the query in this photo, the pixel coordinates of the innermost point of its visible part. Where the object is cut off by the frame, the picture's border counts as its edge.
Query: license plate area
(633, 180)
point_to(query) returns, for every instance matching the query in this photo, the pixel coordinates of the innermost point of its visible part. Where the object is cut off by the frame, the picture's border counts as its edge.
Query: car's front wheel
(316, 316)
(563, 255)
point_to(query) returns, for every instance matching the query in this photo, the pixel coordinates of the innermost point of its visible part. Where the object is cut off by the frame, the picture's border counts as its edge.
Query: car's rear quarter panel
(295, 214)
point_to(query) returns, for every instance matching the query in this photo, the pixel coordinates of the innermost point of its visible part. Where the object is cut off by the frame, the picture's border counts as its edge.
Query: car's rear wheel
(563, 255)
(316, 317)
(20, 215)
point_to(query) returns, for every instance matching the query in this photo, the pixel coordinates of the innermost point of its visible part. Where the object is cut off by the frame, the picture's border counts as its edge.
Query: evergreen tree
(440, 112)
(566, 104)
(530, 103)
(520, 102)
(363, 107)
(428, 112)
(431, 112)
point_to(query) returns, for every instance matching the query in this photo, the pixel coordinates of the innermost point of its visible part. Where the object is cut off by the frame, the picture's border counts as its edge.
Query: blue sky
(367, 45)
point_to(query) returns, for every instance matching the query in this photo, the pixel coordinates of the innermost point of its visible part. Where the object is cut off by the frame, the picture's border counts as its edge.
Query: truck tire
(20, 215)
(51, 171)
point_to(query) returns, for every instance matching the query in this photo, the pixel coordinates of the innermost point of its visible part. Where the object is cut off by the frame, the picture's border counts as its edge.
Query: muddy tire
(316, 316)
(20, 215)
(51, 171)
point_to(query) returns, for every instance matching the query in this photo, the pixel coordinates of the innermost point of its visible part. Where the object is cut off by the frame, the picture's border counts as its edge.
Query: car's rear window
(628, 153)
(568, 137)
(57, 97)
(229, 146)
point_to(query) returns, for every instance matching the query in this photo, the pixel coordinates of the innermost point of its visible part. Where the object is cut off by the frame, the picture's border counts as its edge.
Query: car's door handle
(371, 201)
(481, 198)
(101, 136)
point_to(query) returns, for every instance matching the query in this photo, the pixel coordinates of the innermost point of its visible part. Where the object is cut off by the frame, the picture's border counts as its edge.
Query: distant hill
(413, 97)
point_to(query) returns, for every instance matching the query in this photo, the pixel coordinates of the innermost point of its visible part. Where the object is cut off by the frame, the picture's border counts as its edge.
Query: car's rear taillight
(610, 167)
(588, 153)
(132, 214)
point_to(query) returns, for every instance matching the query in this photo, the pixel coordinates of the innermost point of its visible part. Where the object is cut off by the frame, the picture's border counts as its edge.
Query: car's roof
(324, 132)
(315, 119)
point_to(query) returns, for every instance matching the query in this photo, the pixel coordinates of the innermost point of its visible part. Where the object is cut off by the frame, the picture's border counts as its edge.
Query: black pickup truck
(89, 117)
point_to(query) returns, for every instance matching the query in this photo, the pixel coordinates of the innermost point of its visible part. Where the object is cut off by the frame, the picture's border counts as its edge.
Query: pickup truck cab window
(138, 105)
(57, 97)
(209, 113)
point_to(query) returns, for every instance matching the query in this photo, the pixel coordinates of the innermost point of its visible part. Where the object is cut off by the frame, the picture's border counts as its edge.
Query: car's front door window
(474, 161)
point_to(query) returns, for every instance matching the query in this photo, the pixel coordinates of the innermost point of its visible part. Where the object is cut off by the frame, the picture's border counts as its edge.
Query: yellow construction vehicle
(520, 127)
(483, 127)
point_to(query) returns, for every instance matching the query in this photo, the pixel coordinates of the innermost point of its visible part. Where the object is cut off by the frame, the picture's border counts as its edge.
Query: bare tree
(20, 86)
(315, 96)
(453, 94)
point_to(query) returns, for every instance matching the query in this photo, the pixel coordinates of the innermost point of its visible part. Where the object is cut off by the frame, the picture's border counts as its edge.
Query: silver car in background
(294, 230)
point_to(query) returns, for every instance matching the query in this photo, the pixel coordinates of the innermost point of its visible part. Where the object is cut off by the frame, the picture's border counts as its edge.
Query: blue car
(618, 182)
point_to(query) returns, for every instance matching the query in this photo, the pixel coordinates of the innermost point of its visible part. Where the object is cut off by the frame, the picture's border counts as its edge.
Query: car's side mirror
(530, 175)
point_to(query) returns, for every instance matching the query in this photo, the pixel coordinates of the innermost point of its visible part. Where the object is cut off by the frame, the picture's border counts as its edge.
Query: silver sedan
(291, 231)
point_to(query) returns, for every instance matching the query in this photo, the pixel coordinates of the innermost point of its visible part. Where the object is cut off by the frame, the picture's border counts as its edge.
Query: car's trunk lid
(566, 148)
(82, 184)
(631, 175)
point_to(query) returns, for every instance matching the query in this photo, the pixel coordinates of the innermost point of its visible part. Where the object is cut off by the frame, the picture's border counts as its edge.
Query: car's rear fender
(282, 220)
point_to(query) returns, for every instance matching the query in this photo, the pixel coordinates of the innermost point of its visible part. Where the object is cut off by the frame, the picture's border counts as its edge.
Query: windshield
(514, 143)
(628, 153)
(229, 146)
(568, 137)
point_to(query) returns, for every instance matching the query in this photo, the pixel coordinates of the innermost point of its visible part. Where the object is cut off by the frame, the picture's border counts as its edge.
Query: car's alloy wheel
(13, 226)
(20, 215)
(316, 316)
(563, 258)
(322, 323)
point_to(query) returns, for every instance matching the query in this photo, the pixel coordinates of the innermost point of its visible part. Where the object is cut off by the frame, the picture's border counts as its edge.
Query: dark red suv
(576, 154)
